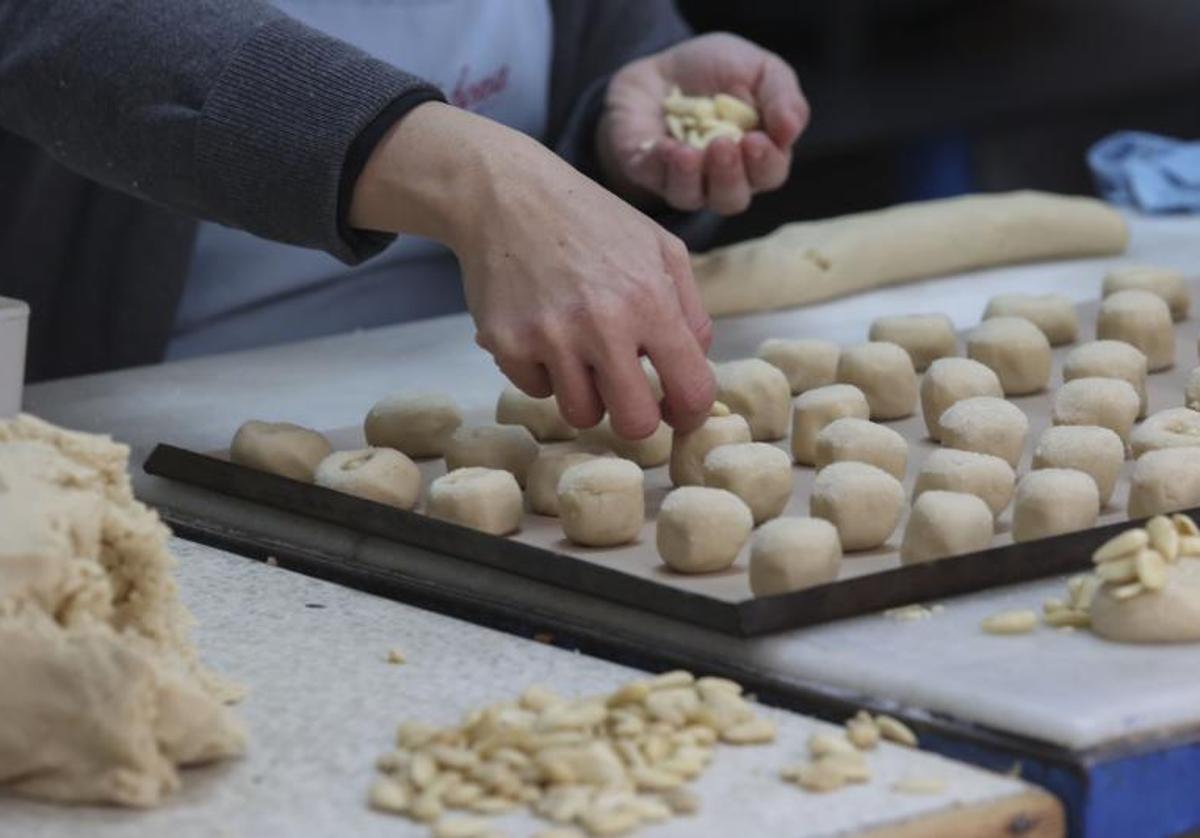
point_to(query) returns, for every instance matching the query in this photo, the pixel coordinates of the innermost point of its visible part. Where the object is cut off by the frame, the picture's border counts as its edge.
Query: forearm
(226, 109)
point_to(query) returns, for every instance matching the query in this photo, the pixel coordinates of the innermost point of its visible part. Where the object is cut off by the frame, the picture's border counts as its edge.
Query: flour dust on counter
(103, 696)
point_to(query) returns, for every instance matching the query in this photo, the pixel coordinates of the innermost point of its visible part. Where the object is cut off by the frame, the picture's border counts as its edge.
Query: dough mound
(862, 501)
(815, 409)
(1054, 501)
(1097, 451)
(807, 363)
(508, 447)
(1167, 283)
(279, 448)
(951, 380)
(925, 337)
(383, 475)
(759, 392)
(986, 425)
(689, 450)
(1054, 314)
(601, 502)
(1142, 319)
(418, 425)
(944, 524)
(1175, 427)
(1108, 402)
(885, 375)
(758, 473)
(540, 416)
(541, 483)
(1171, 615)
(1017, 352)
(865, 442)
(790, 554)
(1109, 359)
(486, 499)
(103, 696)
(652, 451)
(701, 530)
(1165, 480)
(989, 478)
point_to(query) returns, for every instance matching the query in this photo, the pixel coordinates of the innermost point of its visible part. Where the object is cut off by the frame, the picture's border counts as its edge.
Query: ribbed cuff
(277, 129)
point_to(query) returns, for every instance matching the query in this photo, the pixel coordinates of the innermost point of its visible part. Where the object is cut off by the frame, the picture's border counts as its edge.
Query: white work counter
(323, 703)
(1070, 690)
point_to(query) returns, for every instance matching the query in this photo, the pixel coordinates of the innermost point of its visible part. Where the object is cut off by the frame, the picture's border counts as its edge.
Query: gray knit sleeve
(224, 109)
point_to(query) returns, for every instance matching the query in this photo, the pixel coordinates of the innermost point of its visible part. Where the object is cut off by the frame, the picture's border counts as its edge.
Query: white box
(14, 326)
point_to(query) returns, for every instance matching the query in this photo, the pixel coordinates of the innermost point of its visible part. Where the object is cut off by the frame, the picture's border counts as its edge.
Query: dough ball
(540, 416)
(701, 530)
(986, 425)
(508, 447)
(647, 453)
(758, 473)
(1098, 452)
(1175, 427)
(1142, 319)
(601, 502)
(1191, 391)
(1165, 480)
(541, 483)
(951, 380)
(1167, 283)
(689, 450)
(815, 409)
(486, 499)
(1109, 359)
(885, 374)
(862, 501)
(758, 391)
(416, 425)
(279, 448)
(925, 337)
(1016, 350)
(989, 478)
(944, 524)
(383, 475)
(1054, 314)
(807, 364)
(1053, 501)
(790, 554)
(1171, 615)
(862, 441)
(1107, 402)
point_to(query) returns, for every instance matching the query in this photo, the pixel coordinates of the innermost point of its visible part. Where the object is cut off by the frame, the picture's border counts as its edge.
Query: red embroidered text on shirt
(471, 95)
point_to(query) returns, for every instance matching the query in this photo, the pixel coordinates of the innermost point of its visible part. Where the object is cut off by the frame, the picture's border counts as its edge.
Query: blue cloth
(1148, 172)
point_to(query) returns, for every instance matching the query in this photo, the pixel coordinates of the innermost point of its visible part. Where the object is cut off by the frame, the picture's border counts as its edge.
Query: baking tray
(633, 575)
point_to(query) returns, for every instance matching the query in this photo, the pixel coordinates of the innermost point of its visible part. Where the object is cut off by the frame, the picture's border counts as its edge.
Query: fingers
(687, 380)
(632, 409)
(679, 266)
(684, 183)
(532, 378)
(766, 166)
(784, 109)
(727, 187)
(575, 390)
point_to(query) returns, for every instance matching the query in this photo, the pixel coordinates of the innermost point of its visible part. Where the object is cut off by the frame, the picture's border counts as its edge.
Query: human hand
(639, 156)
(567, 283)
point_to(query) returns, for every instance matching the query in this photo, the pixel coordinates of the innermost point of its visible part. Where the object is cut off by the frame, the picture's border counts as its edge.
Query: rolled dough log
(789, 554)
(807, 262)
(925, 337)
(1167, 283)
(1171, 615)
(808, 363)
(540, 416)
(1110, 359)
(280, 448)
(383, 475)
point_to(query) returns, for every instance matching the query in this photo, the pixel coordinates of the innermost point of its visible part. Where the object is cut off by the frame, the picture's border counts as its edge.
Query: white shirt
(489, 56)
